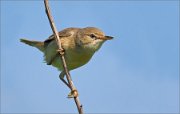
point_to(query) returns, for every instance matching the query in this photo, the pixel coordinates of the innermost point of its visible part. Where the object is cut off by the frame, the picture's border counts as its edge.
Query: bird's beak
(106, 38)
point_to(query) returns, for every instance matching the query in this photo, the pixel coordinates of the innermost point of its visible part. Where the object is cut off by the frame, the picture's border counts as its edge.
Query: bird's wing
(64, 33)
(51, 47)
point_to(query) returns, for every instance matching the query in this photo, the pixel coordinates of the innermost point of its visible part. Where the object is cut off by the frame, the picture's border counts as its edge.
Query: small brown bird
(79, 44)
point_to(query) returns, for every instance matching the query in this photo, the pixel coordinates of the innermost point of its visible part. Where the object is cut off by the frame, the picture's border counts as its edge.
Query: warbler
(79, 46)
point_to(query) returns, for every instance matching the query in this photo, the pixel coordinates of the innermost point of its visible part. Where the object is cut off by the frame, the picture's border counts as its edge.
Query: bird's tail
(39, 45)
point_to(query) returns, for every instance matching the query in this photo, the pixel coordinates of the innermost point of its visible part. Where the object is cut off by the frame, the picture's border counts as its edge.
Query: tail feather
(37, 44)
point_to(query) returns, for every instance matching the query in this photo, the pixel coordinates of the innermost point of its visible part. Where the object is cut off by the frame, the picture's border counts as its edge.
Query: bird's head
(91, 38)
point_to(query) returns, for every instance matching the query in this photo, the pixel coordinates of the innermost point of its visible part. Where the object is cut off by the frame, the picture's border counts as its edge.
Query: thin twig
(58, 41)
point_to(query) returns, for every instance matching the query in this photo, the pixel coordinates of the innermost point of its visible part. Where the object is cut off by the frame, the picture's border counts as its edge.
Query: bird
(79, 45)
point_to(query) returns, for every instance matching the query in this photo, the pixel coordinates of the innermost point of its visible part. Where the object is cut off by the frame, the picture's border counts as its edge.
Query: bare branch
(60, 50)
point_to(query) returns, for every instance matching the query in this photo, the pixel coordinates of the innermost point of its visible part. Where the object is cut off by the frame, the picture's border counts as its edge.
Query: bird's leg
(61, 76)
(74, 92)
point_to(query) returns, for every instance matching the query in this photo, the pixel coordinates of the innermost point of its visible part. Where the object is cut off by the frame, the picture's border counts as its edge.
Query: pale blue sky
(137, 72)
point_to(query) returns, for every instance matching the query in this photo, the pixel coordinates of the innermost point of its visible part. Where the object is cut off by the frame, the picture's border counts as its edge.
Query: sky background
(136, 72)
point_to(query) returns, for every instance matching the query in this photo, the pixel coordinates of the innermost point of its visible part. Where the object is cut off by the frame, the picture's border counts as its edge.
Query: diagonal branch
(60, 50)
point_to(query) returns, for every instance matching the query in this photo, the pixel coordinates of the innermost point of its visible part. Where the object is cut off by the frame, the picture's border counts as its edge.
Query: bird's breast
(74, 59)
(77, 58)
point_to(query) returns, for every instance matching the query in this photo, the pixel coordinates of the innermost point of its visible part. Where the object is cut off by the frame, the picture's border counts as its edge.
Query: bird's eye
(92, 36)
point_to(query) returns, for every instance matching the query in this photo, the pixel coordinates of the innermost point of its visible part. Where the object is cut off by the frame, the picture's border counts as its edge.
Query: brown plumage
(79, 43)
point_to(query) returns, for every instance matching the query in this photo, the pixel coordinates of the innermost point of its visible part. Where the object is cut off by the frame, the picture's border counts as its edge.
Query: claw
(61, 51)
(73, 93)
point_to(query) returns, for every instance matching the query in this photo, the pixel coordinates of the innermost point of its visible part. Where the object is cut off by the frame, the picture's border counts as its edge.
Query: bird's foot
(73, 93)
(61, 51)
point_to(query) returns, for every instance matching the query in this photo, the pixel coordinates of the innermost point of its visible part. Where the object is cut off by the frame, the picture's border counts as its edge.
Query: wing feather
(51, 46)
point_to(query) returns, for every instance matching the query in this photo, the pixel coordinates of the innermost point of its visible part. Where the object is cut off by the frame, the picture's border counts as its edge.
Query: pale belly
(73, 59)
